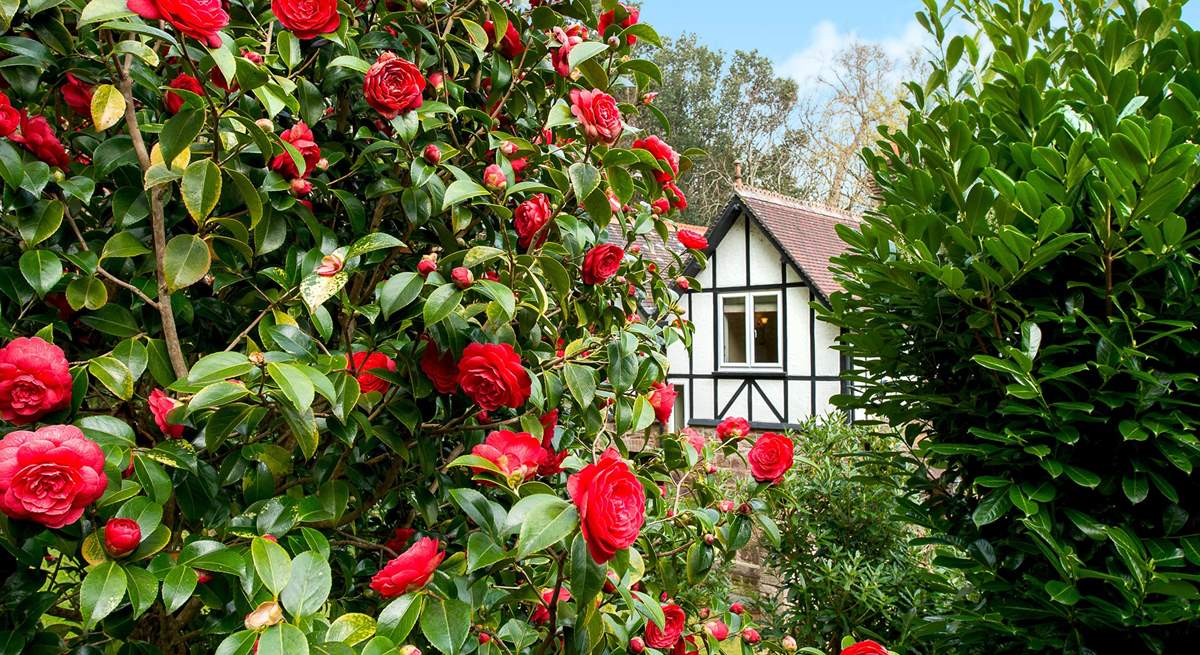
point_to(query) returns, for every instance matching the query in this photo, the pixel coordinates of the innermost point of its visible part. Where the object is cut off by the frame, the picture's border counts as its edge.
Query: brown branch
(158, 226)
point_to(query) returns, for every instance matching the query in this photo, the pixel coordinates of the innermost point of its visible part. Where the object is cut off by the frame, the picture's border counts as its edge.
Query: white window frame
(681, 390)
(748, 298)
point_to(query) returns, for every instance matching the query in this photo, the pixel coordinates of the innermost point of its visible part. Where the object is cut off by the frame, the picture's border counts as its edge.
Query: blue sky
(798, 35)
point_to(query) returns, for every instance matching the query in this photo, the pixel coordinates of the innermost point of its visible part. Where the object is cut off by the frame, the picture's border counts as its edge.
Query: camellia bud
(484, 637)
(712, 468)
(636, 249)
(330, 265)
(682, 283)
(737, 608)
(710, 538)
(264, 616)
(725, 506)
(322, 163)
(614, 42)
(462, 277)
(128, 469)
(271, 538)
(494, 178)
(419, 5)
(717, 629)
(637, 645)
(257, 358)
(704, 612)
(508, 148)
(745, 508)
(266, 124)
(301, 187)
(750, 636)
(788, 643)
(121, 537)
(203, 577)
(437, 80)
(409, 649)
(648, 98)
(427, 265)
(432, 154)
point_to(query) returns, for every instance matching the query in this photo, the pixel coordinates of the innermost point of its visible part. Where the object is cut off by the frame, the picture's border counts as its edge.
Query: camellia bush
(1022, 304)
(326, 329)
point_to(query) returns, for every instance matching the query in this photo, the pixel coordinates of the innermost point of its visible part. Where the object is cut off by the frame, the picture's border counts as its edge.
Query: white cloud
(826, 40)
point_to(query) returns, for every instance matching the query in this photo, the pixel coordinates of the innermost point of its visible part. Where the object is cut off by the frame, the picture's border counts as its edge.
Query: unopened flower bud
(432, 154)
(437, 80)
(614, 42)
(704, 612)
(494, 178)
(427, 265)
(301, 187)
(745, 508)
(419, 5)
(121, 537)
(271, 538)
(322, 163)
(508, 148)
(710, 538)
(266, 124)
(750, 636)
(484, 637)
(462, 277)
(682, 283)
(330, 265)
(737, 608)
(257, 358)
(788, 643)
(725, 506)
(637, 645)
(636, 248)
(264, 616)
(409, 649)
(648, 98)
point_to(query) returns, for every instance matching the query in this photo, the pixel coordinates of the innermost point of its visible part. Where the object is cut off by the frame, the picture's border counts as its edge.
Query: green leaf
(271, 563)
(101, 592)
(399, 292)
(396, 620)
(482, 551)
(42, 269)
(587, 577)
(479, 255)
(201, 189)
(309, 585)
(991, 508)
(585, 179)
(217, 394)
(186, 261)
(86, 293)
(351, 629)
(123, 244)
(293, 383)
(446, 623)
(113, 374)
(142, 587)
(45, 225)
(441, 303)
(544, 519)
(177, 587)
(372, 242)
(179, 132)
(461, 190)
(283, 639)
(218, 367)
(351, 62)
(238, 643)
(584, 51)
(98, 11)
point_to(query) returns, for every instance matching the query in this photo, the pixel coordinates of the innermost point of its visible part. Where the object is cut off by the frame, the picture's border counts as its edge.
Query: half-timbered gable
(759, 350)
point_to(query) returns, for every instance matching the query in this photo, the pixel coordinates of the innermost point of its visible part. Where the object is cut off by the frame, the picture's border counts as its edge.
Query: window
(750, 329)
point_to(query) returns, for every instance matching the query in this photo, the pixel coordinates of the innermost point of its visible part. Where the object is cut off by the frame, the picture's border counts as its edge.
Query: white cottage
(759, 350)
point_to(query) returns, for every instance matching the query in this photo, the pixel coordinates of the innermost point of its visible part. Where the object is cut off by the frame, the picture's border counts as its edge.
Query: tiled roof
(804, 231)
(653, 248)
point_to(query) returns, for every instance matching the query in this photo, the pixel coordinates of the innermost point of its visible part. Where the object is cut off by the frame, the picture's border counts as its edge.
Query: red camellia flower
(552, 462)
(160, 406)
(662, 399)
(36, 136)
(631, 18)
(602, 262)
(77, 95)
(399, 540)
(598, 114)
(516, 454)
(51, 475)
(300, 137)
(529, 219)
(671, 631)
(770, 457)
(121, 537)
(34, 380)
(675, 196)
(410, 570)
(440, 367)
(541, 615)
(867, 647)
(393, 85)
(361, 363)
(611, 503)
(733, 427)
(492, 376)
(692, 239)
(717, 629)
(307, 19)
(174, 101)
(736, 608)
(199, 19)
(510, 46)
(10, 118)
(663, 153)
(568, 38)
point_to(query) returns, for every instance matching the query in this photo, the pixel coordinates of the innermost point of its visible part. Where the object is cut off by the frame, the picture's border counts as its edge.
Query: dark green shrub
(1023, 302)
(844, 560)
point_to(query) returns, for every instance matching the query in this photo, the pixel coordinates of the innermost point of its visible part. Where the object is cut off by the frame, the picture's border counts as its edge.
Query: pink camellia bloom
(51, 475)
(35, 380)
(410, 570)
(541, 615)
(462, 277)
(694, 439)
(199, 19)
(662, 399)
(121, 537)
(568, 38)
(517, 454)
(597, 114)
(361, 364)
(494, 178)
(692, 239)
(160, 406)
(717, 629)
(330, 266)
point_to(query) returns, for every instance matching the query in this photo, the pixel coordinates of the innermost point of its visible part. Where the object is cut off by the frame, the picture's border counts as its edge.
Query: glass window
(766, 329)
(734, 329)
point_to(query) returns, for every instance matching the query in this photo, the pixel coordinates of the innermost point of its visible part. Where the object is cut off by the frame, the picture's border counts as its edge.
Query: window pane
(735, 330)
(766, 330)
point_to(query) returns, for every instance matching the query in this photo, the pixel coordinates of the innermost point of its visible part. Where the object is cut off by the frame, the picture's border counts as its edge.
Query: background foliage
(1022, 303)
